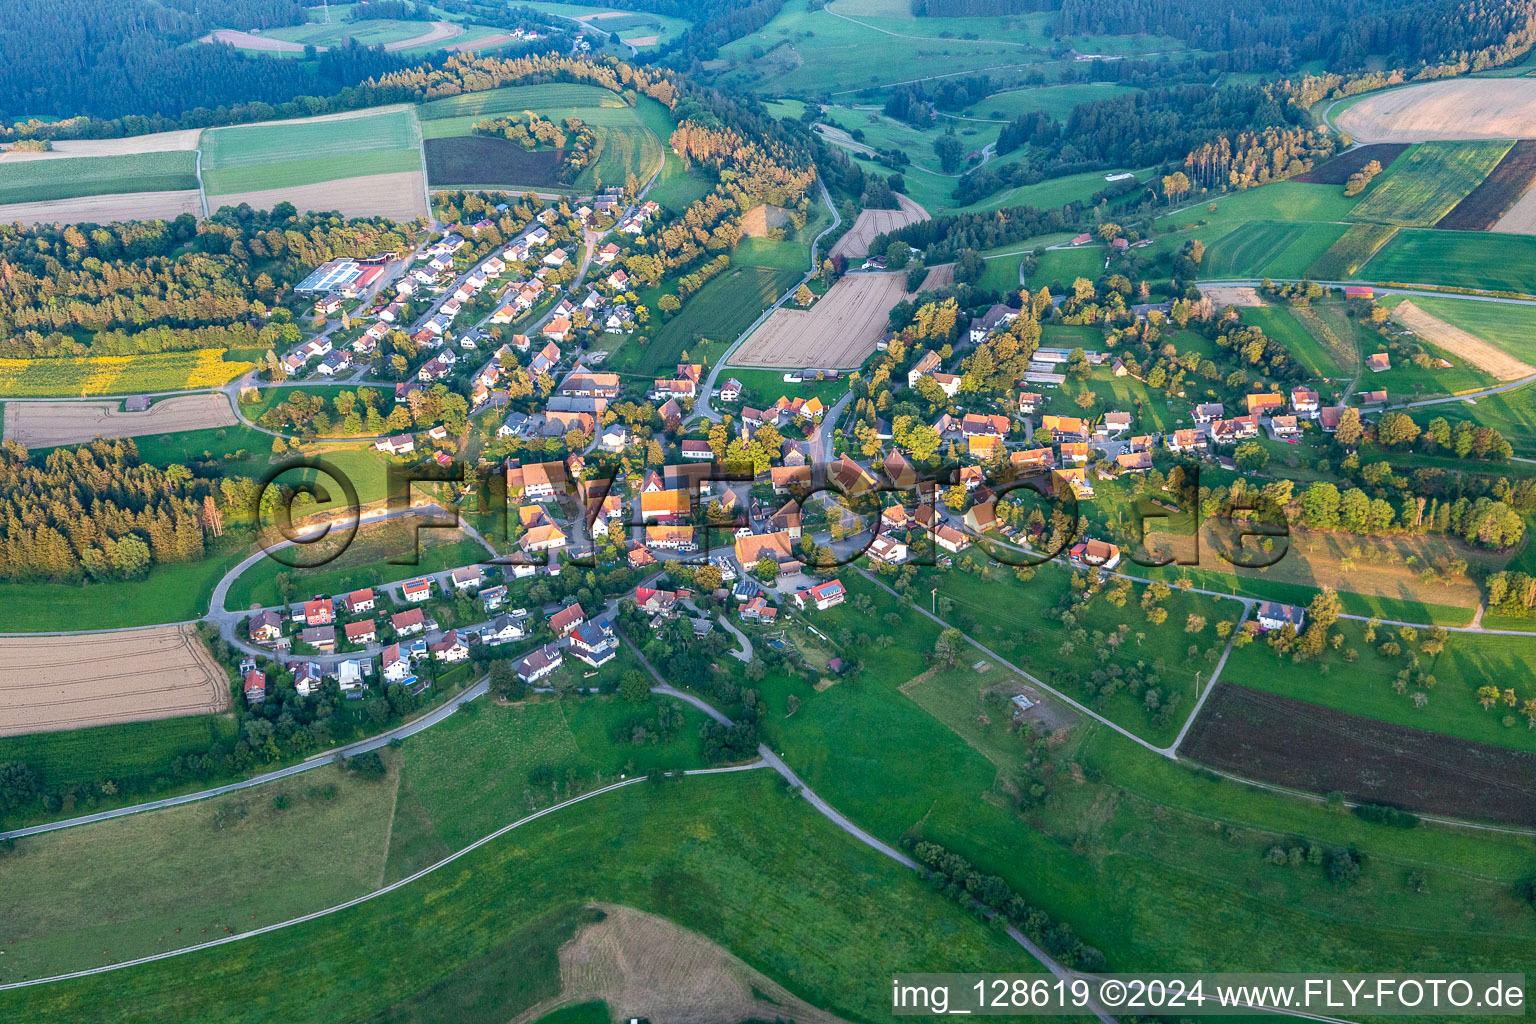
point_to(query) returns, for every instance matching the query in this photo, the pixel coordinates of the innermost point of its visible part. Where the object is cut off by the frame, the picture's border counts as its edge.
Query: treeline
(1258, 157)
(33, 345)
(1261, 35)
(958, 879)
(93, 512)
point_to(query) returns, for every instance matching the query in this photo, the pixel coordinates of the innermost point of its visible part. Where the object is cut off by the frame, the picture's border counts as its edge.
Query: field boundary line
(349, 904)
(202, 192)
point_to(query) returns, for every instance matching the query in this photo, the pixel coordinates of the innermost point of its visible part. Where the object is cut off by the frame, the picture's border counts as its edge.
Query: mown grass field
(1063, 266)
(370, 32)
(1280, 324)
(118, 375)
(1269, 249)
(283, 154)
(629, 24)
(731, 857)
(456, 115)
(174, 592)
(1511, 413)
(1482, 260)
(761, 387)
(123, 753)
(1505, 325)
(1423, 185)
(29, 181)
(676, 185)
(711, 319)
(1056, 101)
(765, 252)
(1353, 250)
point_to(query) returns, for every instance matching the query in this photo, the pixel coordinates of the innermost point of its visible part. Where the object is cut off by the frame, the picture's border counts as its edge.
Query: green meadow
(68, 177)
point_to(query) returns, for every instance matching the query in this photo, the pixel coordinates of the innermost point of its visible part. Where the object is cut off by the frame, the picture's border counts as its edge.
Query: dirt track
(398, 196)
(645, 966)
(1459, 343)
(68, 682)
(874, 222)
(440, 30)
(839, 331)
(105, 209)
(45, 424)
(1466, 108)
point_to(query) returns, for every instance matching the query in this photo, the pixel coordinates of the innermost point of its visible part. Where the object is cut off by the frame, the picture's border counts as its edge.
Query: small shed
(136, 403)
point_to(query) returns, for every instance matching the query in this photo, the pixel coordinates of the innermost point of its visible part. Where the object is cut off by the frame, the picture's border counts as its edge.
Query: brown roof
(774, 545)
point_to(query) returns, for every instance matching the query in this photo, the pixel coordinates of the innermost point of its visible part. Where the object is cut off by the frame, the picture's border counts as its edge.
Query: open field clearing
(711, 319)
(1468, 108)
(1354, 249)
(1337, 171)
(1486, 357)
(553, 100)
(838, 332)
(637, 28)
(300, 152)
(399, 196)
(874, 222)
(1295, 334)
(1480, 260)
(1502, 189)
(66, 682)
(1519, 219)
(767, 878)
(30, 181)
(104, 209)
(642, 965)
(156, 142)
(1503, 324)
(483, 162)
(1293, 743)
(392, 34)
(117, 375)
(46, 424)
(250, 41)
(1425, 185)
(1055, 100)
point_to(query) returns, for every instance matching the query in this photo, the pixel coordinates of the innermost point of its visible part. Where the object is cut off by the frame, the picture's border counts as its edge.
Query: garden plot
(46, 424)
(66, 682)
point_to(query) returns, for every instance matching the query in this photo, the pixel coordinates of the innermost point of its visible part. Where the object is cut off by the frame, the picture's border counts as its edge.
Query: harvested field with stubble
(1293, 743)
(838, 332)
(47, 424)
(1464, 108)
(1479, 353)
(68, 682)
(1338, 170)
(247, 41)
(399, 196)
(118, 206)
(1499, 192)
(874, 222)
(156, 142)
(645, 966)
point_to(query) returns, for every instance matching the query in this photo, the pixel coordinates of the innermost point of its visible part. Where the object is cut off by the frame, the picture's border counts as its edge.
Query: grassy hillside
(283, 154)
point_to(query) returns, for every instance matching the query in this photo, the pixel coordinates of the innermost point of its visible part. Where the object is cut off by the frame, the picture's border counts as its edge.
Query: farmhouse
(1274, 615)
(823, 596)
(751, 549)
(539, 663)
(1095, 554)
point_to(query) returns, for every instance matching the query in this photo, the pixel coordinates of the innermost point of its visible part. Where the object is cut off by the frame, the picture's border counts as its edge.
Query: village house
(363, 632)
(982, 517)
(396, 667)
(1029, 401)
(1186, 440)
(539, 663)
(1069, 428)
(759, 609)
(265, 626)
(751, 549)
(594, 644)
(950, 539)
(1264, 402)
(1378, 362)
(1274, 615)
(1209, 412)
(321, 638)
(1284, 426)
(449, 649)
(409, 622)
(255, 687)
(417, 590)
(537, 481)
(887, 549)
(730, 391)
(1304, 403)
(1099, 554)
(492, 598)
(565, 621)
(823, 595)
(990, 321)
(319, 612)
